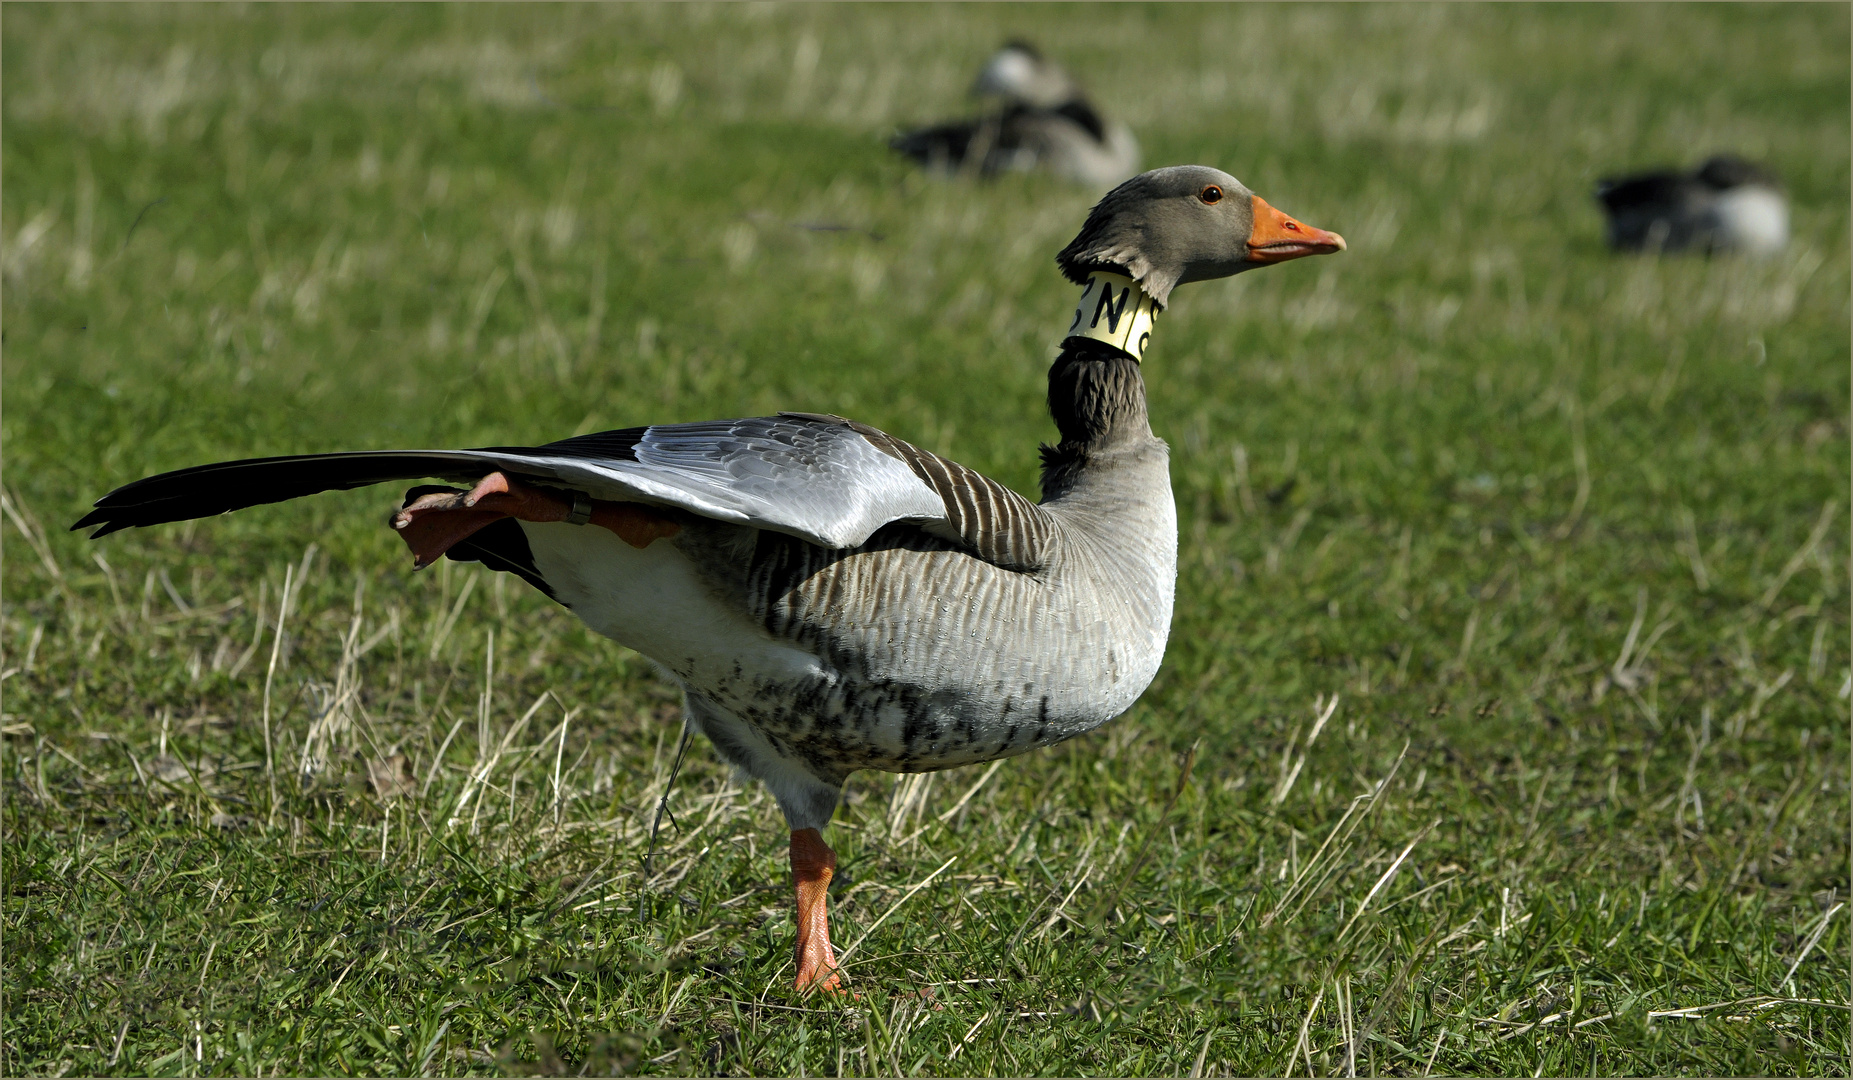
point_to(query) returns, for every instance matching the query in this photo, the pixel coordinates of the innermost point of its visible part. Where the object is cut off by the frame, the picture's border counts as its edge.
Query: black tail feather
(206, 490)
(220, 488)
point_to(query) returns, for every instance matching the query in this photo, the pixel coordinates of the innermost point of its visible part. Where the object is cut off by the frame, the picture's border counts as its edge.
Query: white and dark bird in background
(1040, 120)
(1727, 204)
(829, 597)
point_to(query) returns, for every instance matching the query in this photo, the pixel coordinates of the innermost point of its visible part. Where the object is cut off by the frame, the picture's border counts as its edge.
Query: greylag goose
(1043, 122)
(1726, 204)
(829, 597)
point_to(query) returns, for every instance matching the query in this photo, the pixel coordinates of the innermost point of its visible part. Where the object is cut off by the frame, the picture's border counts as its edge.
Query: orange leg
(433, 523)
(812, 864)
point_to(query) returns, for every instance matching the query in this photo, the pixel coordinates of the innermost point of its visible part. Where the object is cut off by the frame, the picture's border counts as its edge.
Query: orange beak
(1276, 238)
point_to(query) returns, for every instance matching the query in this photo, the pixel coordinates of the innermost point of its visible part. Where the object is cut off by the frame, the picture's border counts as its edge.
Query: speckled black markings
(809, 596)
(832, 604)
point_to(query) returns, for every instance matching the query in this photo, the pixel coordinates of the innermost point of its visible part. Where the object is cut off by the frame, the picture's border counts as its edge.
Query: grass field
(1512, 630)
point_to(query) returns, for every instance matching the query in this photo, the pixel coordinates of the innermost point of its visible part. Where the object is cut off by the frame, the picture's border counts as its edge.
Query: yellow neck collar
(1115, 310)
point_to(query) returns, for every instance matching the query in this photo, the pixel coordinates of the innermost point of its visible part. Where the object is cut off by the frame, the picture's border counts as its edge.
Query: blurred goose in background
(1726, 204)
(1043, 122)
(829, 597)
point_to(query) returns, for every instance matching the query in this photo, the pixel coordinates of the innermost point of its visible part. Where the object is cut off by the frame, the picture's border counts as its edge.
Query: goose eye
(1211, 194)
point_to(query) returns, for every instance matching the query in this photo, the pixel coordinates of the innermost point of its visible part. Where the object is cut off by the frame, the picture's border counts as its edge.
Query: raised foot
(434, 523)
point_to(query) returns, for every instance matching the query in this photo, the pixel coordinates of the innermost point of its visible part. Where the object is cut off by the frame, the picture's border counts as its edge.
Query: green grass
(1562, 535)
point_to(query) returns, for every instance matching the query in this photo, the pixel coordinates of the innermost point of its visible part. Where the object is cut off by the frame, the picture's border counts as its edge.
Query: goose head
(1020, 75)
(1727, 171)
(1187, 223)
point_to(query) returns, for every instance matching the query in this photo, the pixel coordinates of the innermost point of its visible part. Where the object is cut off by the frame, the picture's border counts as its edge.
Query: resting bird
(829, 597)
(1726, 204)
(1043, 122)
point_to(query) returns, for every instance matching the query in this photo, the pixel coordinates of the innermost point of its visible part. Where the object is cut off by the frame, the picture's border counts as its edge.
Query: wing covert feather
(819, 481)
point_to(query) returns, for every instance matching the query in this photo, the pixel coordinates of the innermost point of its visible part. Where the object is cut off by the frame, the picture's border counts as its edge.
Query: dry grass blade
(1802, 553)
(1355, 813)
(908, 801)
(1428, 1067)
(843, 957)
(970, 1034)
(1396, 865)
(1579, 455)
(1814, 938)
(437, 759)
(270, 673)
(1689, 543)
(1301, 1046)
(28, 527)
(449, 622)
(1196, 1067)
(479, 777)
(559, 755)
(1322, 713)
(1758, 1003)
(973, 790)
(1061, 908)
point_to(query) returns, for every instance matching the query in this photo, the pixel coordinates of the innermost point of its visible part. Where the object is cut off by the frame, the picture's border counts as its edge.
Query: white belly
(653, 600)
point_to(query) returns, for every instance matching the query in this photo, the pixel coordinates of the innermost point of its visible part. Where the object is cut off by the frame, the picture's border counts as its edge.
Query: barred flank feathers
(997, 524)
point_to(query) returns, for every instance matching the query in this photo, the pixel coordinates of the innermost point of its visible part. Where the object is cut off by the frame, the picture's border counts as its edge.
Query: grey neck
(1097, 395)
(1097, 399)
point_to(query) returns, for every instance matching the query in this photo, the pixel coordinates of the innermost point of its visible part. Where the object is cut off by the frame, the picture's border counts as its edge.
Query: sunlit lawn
(1512, 629)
